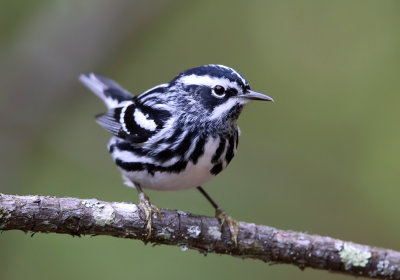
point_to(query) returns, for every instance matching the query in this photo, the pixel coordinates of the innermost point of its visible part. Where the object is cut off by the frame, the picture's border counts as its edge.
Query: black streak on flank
(151, 168)
(229, 152)
(184, 145)
(111, 148)
(219, 150)
(237, 138)
(216, 169)
(198, 150)
(128, 146)
(164, 155)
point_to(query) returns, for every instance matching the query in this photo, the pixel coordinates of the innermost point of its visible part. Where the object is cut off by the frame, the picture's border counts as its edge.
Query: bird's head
(220, 91)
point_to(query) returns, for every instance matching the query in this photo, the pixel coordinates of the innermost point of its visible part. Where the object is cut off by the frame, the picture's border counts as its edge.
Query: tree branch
(80, 217)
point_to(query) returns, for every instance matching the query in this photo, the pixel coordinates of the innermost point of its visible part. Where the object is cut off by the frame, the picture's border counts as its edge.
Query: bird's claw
(232, 224)
(149, 209)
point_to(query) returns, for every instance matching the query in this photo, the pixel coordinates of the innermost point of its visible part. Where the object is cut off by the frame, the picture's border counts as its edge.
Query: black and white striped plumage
(177, 135)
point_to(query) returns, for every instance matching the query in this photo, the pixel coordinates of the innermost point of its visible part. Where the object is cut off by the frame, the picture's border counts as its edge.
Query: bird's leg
(148, 208)
(223, 217)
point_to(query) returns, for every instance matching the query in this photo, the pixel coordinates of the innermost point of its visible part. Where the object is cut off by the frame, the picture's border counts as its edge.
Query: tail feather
(109, 91)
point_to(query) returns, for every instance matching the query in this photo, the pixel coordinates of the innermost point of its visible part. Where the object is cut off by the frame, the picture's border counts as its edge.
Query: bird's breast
(203, 158)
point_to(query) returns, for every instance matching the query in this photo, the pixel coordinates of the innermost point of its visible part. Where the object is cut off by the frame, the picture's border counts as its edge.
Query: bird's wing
(135, 121)
(109, 91)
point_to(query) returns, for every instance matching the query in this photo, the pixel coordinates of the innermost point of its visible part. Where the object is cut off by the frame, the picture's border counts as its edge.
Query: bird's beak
(256, 96)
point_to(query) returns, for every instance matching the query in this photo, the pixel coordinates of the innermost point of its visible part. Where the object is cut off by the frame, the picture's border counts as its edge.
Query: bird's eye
(218, 91)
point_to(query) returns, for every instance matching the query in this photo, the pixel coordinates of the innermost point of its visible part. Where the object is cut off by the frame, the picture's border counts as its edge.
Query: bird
(176, 135)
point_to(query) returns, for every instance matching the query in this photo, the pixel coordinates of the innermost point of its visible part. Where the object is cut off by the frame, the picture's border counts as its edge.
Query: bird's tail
(109, 91)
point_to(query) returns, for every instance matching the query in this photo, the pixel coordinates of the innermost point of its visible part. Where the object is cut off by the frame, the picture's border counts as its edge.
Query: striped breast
(182, 161)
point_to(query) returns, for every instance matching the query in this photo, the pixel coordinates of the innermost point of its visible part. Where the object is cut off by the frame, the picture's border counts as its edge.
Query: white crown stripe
(235, 72)
(207, 80)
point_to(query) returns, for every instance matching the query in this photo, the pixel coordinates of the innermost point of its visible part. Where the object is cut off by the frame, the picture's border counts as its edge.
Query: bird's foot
(231, 223)
(149, 209)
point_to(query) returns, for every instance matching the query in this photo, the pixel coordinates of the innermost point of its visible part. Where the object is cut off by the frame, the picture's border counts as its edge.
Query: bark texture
(125, 220)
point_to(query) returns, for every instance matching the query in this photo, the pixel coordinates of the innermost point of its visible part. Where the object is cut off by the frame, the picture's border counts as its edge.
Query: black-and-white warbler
(177, 135)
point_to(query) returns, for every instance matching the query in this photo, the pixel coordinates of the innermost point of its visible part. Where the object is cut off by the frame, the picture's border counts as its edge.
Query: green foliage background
(324, 158)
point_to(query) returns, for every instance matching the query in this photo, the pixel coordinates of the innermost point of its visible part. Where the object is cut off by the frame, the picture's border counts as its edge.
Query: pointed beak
(252, 95)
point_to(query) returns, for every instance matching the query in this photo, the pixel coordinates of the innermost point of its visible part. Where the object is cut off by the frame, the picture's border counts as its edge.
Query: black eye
(219, 91)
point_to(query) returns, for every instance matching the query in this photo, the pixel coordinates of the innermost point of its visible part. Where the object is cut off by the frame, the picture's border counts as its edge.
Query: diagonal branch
(77, 217)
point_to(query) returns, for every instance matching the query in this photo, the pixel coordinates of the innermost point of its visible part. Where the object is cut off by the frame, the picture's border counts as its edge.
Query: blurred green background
(324, 158)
